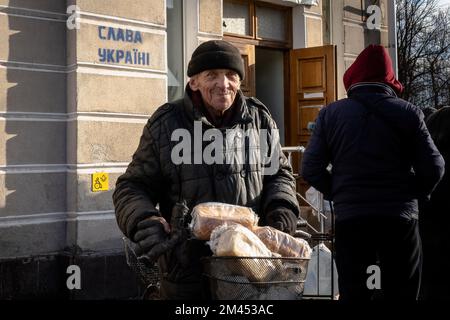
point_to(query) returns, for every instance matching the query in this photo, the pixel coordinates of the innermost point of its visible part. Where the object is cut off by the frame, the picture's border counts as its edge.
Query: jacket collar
(193, 109)
(371, 87)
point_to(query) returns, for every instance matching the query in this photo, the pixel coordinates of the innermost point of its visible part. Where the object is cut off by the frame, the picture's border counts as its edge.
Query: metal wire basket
(255, 278)
(148, 274)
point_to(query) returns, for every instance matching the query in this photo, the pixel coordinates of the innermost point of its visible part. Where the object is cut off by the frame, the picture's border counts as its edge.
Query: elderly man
(158, 179)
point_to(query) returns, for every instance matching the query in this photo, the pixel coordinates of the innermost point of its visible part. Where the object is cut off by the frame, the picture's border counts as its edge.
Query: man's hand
(151, 236)
(283, 219)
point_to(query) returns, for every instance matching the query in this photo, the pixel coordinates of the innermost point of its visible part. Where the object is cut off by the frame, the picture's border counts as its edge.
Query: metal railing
(301, 149)
(319, 236)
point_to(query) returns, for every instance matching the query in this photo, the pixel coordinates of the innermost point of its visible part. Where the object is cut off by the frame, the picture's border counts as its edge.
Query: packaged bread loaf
(235, 240)
(207, 216)
(283, 243)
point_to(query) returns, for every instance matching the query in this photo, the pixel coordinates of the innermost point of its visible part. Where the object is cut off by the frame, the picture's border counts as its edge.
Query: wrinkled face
(218, 88)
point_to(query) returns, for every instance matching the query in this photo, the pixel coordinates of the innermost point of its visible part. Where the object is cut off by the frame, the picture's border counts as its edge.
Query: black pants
(391, 243)
(436, 264)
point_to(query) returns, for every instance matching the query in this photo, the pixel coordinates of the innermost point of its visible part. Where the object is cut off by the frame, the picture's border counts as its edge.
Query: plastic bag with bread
(235, 240)
(282, 243)
(208, 216)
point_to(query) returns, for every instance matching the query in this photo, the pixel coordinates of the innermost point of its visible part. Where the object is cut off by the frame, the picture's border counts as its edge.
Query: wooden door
(248, 85)
(312, 86)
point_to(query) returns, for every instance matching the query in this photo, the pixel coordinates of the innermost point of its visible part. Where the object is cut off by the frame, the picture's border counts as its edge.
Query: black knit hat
(216, 54)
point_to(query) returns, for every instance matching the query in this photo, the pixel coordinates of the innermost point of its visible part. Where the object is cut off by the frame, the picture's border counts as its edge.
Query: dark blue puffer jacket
(382, 161)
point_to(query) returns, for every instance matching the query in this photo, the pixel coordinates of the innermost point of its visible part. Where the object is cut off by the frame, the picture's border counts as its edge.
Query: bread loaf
(283, 243)
(207, 216)
(236, 240)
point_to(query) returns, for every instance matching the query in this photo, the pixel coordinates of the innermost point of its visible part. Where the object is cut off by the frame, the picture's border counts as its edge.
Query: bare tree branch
(423, 43)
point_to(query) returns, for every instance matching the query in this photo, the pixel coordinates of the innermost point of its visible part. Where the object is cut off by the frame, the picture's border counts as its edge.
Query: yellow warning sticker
(100, 181)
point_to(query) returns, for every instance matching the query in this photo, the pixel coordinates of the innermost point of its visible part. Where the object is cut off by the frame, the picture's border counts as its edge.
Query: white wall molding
(33, 17)
(87, 17)
(91, 215)
(38, 218)
(36, 11)
(92, 65)
(51, 217)
(116, 167)
(74, 116)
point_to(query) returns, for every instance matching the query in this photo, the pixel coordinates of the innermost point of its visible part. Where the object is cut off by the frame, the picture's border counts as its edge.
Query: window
(254, 20)
(271, 23)
(236, 18)
(175, 72)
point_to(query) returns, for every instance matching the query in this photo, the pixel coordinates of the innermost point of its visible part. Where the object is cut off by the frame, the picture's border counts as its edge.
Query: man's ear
(193, 83)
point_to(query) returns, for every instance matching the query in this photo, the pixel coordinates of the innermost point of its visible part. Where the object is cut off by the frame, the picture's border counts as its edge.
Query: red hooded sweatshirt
(372, 65)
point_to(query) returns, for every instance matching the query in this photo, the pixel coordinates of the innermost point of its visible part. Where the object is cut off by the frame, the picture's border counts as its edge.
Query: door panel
(312, 87)
(248, 85)
(311, 75)
(307, 114)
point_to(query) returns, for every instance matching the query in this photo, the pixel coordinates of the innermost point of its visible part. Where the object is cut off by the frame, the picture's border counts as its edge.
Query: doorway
(269, 82)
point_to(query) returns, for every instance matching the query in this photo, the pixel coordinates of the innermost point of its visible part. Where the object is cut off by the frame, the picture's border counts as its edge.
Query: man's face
(218, 88)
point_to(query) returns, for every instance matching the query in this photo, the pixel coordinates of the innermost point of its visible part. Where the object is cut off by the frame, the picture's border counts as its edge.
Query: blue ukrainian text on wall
(132, 57)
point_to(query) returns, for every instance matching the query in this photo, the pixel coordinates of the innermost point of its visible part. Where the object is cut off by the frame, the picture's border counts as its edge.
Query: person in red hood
(383, 160)
(373, 65)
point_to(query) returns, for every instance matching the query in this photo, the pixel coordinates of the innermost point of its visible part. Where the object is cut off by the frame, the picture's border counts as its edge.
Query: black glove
(150, 238)
(153, 240)
(179, 232)
(283, 219)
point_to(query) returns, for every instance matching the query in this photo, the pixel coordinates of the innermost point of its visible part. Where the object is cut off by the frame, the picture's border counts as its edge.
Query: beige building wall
(210, 16)
(73, 103)
(33, 119)
(118, 78)
(207, 18)
(314, 25)
(351, 34)
(307, 25)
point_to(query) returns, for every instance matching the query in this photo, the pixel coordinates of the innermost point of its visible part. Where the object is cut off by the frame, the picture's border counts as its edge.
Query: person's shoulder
(163, 113)
(261, 113)
(254, 103)
(409, 109)
(337, 106)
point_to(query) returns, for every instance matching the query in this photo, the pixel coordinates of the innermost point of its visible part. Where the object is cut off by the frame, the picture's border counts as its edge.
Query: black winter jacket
(153, 179)
(382, 160)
